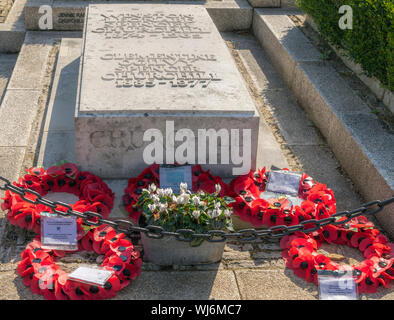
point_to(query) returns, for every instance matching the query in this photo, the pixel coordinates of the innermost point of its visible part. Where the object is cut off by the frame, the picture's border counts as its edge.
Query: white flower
(155, 199)
(152, 207)
(216, 205)
(168, 192)
(227, 213)
(196, 200)
(183, 187)
(196, 214)
(214, 213)
(152, 188)
(201, 193)
(202, 203)
(218, 188)
(160, 192)
(183, 198)
(163, 207)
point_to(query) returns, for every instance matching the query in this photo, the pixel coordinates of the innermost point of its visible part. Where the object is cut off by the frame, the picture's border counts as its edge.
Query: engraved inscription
(117, 138)
(155, 25)
(175, 70)
(70, 17)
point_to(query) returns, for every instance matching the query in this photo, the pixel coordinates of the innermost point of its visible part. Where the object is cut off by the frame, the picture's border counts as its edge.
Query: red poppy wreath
(94, 194)
(41, 273)
(318, 201)
(300, 253)
(201, 180)
(38, 266)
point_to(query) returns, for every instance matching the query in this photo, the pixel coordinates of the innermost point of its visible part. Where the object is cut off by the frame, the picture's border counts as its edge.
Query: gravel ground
(5, 7)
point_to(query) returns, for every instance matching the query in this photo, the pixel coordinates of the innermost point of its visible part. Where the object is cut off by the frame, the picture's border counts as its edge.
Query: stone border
(383, 94)
(336, 110)
(273, 3)
(228, 15)
(12, 31)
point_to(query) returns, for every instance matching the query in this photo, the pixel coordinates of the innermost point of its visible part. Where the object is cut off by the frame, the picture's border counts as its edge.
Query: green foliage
(371, 41)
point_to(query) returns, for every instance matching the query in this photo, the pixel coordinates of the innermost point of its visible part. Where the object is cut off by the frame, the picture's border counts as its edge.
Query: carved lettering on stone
(176, 70)
(155, 25)
(117, 139)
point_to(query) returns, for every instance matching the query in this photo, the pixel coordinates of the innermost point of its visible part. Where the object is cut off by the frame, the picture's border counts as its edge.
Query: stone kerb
(159, 92)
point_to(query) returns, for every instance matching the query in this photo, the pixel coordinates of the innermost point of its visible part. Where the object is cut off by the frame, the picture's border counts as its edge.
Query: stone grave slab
(154, 72)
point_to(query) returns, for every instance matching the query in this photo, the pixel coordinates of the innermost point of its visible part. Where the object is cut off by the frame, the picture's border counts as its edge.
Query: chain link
(157, 232)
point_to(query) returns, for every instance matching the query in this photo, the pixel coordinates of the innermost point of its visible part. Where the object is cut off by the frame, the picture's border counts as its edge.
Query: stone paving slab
(183, 285)
(16, 116)
(7, 63)
(273, 285)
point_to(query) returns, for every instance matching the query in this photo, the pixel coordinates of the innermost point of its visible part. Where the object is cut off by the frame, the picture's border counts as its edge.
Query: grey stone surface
(284, 43)
(185, 285)
(17, 113)
(288, 4)
(228, 15)
(265, 3)
(278, 285)
(104, 100)
(388, 99)
(29, 69)
(12, 31)
(60, 114)
(9, 158)
(7, 63)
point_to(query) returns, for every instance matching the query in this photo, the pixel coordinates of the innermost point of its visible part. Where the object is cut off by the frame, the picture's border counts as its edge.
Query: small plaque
(58, 233)
(173, 176)
(284, 182)
(92, 276)
(336, 285)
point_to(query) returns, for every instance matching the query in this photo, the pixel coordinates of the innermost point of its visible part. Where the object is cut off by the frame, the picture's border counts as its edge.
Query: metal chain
(188, 235)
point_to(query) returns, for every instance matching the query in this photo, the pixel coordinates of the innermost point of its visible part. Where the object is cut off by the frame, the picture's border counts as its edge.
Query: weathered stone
(207, 88)
(265, 3)
(17, 113)
(274, 285)
(7, 63)
(182, 285)
(228, 15)
(284, 43)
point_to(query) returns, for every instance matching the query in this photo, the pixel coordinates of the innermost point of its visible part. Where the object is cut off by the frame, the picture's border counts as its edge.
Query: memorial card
(173, 176)
(282, 181)
(58, 233)
(337, 285)
(92, 276)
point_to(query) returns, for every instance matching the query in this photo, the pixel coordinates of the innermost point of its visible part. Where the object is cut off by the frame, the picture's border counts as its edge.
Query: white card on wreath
(92, 276)
(58, 233)
(334, 287)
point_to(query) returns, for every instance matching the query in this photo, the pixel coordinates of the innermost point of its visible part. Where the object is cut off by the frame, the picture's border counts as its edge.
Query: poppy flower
(70, 170)
(303, 264)
(329, 233)
(123, 249)
(377, 249)
(100, 234)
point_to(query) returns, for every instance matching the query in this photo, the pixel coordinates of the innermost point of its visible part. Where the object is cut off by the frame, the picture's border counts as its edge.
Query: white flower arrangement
(199, 212)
